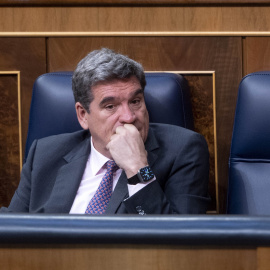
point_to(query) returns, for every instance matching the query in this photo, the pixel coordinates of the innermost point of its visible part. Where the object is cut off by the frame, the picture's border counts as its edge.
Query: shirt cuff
(132, 189)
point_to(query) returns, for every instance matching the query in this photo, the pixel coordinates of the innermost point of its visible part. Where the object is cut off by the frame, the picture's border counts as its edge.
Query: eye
(136, 101)
(109, 107)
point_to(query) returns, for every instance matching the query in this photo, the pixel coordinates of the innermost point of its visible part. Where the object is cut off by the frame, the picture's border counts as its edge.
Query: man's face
(116, 103)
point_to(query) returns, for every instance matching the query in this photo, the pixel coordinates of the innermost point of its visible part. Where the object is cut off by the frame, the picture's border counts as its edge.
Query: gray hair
(102, 66)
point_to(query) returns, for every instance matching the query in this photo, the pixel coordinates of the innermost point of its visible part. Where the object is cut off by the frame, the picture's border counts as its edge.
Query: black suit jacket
(55, 165)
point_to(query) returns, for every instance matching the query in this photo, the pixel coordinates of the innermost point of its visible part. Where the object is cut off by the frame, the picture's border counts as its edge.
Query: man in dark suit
(119, 163)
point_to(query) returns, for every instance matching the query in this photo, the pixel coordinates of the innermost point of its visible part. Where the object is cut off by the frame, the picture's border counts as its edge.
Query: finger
(132, 129)
(114, 136)
(119, 129)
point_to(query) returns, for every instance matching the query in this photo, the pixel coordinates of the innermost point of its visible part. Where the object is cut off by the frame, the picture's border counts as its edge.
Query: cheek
(145, 116)
(142, 116)
(96, 123)
(110, 124)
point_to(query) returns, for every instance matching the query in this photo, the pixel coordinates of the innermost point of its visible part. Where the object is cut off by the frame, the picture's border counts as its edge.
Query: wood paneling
(123, 257)
(220, 54)
(26, 55)
(9, 136)
(263, 258)
(257, 54)
(201, 88)
(179, 18)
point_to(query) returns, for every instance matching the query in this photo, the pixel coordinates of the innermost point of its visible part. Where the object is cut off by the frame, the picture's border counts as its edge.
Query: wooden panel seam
(150, 3)
(135, 34)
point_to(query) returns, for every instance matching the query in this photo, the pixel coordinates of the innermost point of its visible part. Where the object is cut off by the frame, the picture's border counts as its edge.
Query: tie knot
(111, 166)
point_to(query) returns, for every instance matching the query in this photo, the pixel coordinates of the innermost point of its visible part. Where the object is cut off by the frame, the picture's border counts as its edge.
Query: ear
(82, 115)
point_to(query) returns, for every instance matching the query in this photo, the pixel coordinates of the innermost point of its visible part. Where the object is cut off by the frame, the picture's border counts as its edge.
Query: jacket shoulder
(171, 131)
(58, 145)
(172, 137)
(65, 137)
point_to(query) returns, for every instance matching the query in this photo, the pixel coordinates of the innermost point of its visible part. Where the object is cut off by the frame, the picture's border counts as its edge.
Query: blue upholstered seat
(53, 112)
(249, 164)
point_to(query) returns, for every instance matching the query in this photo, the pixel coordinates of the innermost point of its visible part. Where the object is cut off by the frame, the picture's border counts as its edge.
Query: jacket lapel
(151, 145)
(121, 190)
(119, 194)
(68, 179)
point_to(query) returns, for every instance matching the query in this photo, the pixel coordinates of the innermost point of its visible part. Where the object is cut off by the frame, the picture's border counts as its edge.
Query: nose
(127, 116)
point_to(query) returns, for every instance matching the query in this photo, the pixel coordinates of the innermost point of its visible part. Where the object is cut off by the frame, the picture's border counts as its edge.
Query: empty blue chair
(249, 163)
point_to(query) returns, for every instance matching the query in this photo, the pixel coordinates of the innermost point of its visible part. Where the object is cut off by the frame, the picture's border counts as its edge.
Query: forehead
(116, 87)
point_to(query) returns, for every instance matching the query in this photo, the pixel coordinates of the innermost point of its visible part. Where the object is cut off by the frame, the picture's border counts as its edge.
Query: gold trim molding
(150, 34)
(17, 73)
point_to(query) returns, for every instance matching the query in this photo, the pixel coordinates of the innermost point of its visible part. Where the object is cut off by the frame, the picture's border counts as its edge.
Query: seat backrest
(249, 163)
(53, 112)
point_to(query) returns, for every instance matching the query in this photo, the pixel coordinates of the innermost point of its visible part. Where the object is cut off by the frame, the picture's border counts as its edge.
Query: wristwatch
(144, 175)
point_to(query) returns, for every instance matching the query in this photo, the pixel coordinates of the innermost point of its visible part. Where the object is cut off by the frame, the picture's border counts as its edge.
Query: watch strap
(134, 180)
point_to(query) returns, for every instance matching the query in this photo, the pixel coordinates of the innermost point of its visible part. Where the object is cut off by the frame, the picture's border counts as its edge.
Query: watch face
(146, 174)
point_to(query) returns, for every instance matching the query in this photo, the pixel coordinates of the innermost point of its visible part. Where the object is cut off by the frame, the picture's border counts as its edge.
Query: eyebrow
(106, 100)
(137, 92)
(111, 99)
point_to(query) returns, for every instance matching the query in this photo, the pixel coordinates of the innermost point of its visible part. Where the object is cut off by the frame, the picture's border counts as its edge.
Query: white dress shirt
(94, 170)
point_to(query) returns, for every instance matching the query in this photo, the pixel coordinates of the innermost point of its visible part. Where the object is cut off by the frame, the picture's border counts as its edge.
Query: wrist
(133, 170)
(144, 175)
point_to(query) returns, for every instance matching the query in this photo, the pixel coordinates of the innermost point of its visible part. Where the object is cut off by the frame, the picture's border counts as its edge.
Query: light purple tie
(100, 200)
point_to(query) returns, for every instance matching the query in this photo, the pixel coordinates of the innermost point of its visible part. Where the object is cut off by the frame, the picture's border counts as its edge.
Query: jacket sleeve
(21, 198)
(185, 189)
